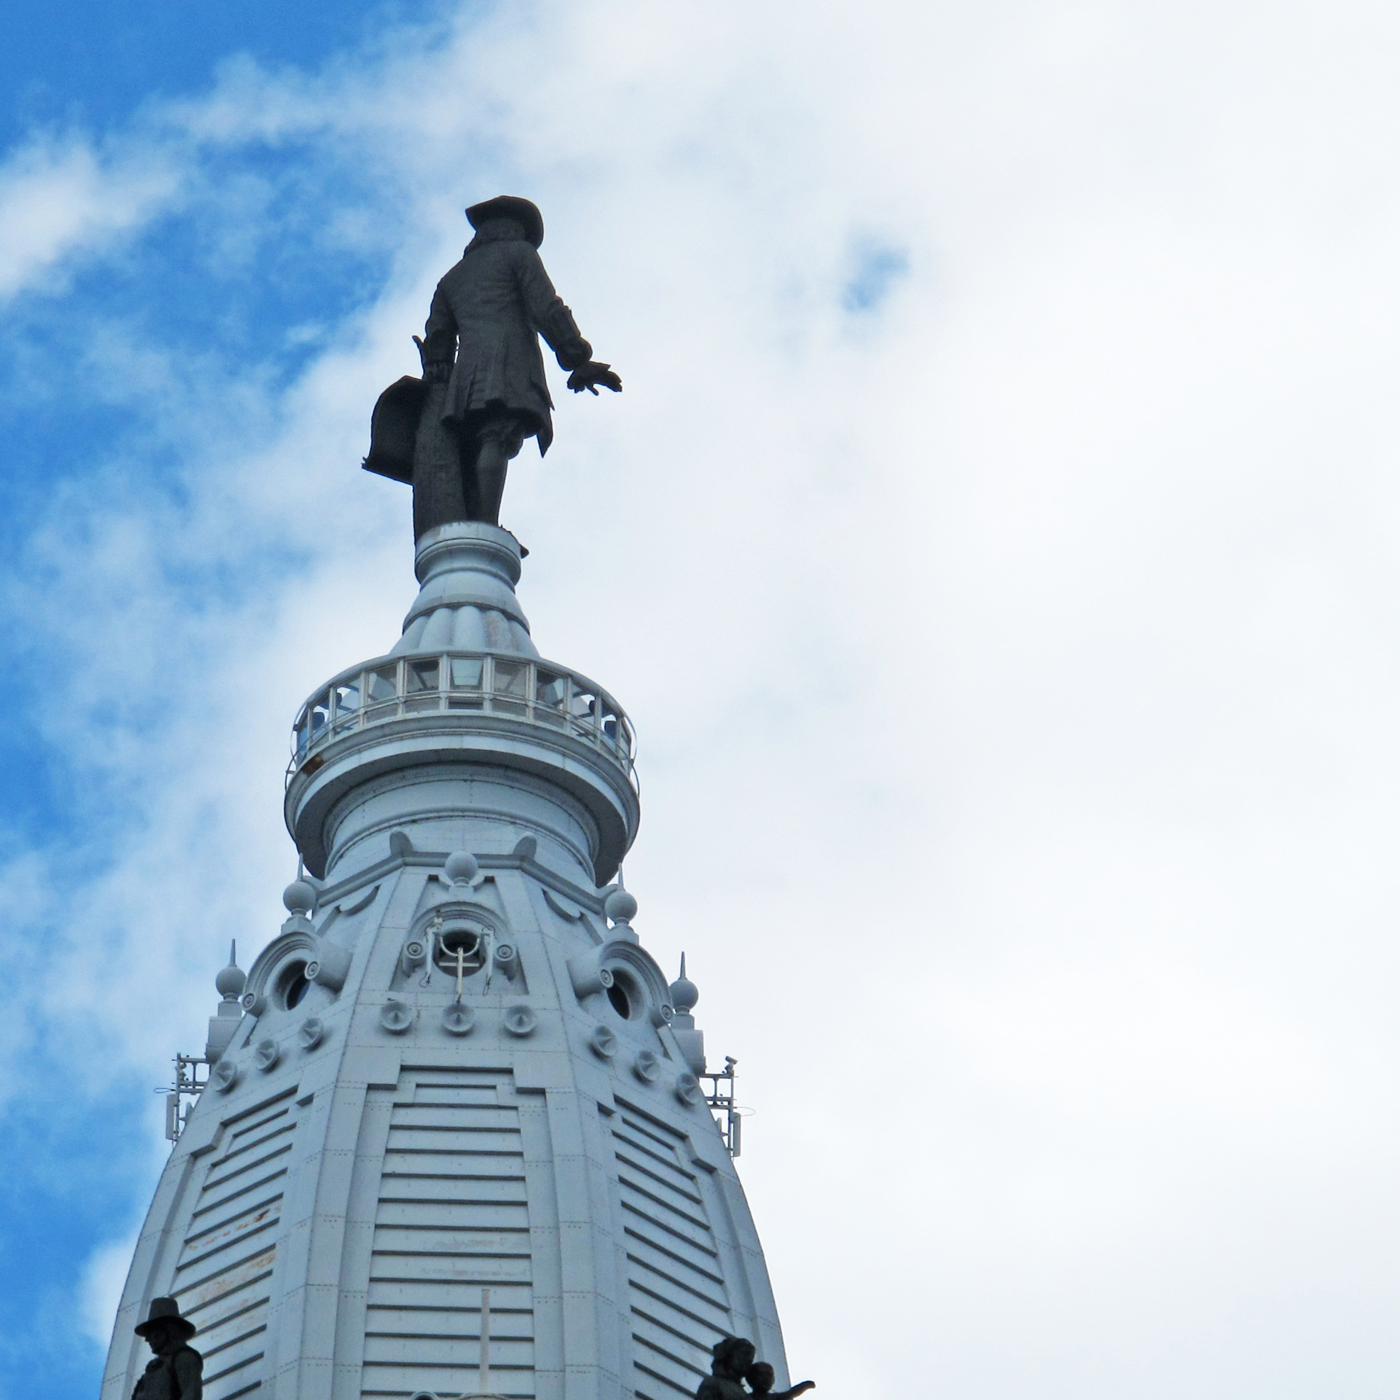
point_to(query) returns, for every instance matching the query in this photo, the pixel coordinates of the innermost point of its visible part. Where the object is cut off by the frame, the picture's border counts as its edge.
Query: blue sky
(139, 360)
(75, 1152)
(995, 546)
(95, 65)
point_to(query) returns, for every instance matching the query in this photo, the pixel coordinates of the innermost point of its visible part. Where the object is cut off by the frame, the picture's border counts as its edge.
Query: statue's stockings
(459, 473)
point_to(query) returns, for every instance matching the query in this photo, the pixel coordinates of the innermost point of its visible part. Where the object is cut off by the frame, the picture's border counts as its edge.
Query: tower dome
(452, 1142)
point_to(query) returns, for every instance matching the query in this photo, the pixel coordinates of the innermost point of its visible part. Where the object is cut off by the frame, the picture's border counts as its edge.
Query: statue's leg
(467, 451)
(498, 438)
(438, 495)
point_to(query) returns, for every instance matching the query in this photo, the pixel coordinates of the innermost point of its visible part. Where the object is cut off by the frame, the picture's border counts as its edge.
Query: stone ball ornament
(230, 982)
(684, 994)
(461, 868)
(300, 897)
(620, 906)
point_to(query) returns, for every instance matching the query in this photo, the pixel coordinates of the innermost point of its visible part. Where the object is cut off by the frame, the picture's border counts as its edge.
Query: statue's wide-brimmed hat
(510, 206)
(166, 1310)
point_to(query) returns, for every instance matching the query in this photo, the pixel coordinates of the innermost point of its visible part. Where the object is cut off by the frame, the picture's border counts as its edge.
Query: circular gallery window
(460, 940)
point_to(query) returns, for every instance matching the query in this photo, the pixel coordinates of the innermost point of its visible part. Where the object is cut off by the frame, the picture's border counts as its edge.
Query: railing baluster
(579, 714)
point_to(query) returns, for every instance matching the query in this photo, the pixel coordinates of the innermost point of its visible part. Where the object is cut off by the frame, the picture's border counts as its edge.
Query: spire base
(468, 570)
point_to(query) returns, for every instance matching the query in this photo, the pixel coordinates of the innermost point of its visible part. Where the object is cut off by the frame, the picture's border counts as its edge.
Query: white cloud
(62, 197)
(1015, 675)
(103, 1281)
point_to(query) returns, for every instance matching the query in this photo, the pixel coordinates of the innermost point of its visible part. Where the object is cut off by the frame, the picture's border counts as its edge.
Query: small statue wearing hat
(732, 1358)
(734, 1363)
(177, 1370)
(483, 391)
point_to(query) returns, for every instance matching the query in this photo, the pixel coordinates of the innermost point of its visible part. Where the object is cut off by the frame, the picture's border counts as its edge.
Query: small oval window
(292, 985)
(618, 998)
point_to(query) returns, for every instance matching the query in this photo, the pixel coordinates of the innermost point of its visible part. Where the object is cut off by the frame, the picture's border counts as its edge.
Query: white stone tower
(455, 1076)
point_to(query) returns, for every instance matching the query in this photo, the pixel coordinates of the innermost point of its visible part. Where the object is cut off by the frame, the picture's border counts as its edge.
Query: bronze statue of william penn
(483, 391)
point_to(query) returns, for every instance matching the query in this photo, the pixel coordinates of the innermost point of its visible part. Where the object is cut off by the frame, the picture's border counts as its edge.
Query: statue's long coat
(496, 304)
(178, 1376)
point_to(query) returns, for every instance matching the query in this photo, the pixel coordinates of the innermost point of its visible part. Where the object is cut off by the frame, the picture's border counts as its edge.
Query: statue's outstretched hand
(591, 375)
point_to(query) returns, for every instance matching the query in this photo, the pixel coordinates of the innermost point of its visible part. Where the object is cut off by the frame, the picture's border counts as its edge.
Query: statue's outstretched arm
(801, 1388)
(555, 322)
(547, 313)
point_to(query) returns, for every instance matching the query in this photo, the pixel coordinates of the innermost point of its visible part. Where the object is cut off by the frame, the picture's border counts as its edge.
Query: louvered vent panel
(221, 1279)
(451, 1221)
(679, 1303)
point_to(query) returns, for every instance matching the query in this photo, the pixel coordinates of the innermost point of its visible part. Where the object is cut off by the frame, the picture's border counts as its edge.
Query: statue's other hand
(434, 371)
(594, 373)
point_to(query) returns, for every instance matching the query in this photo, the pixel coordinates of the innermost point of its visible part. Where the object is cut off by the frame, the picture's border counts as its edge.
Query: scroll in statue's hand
(591, 375)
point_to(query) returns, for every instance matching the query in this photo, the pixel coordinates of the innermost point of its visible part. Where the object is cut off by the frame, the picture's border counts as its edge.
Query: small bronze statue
(483, 391)
(760, 1377)
(177, 1370)
(732, 1358)
(734, 1363)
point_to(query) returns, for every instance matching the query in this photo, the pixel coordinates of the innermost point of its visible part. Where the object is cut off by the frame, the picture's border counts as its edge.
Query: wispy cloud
(64, 199)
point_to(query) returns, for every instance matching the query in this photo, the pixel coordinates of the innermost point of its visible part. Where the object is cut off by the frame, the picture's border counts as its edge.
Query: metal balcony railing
(463, 683)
